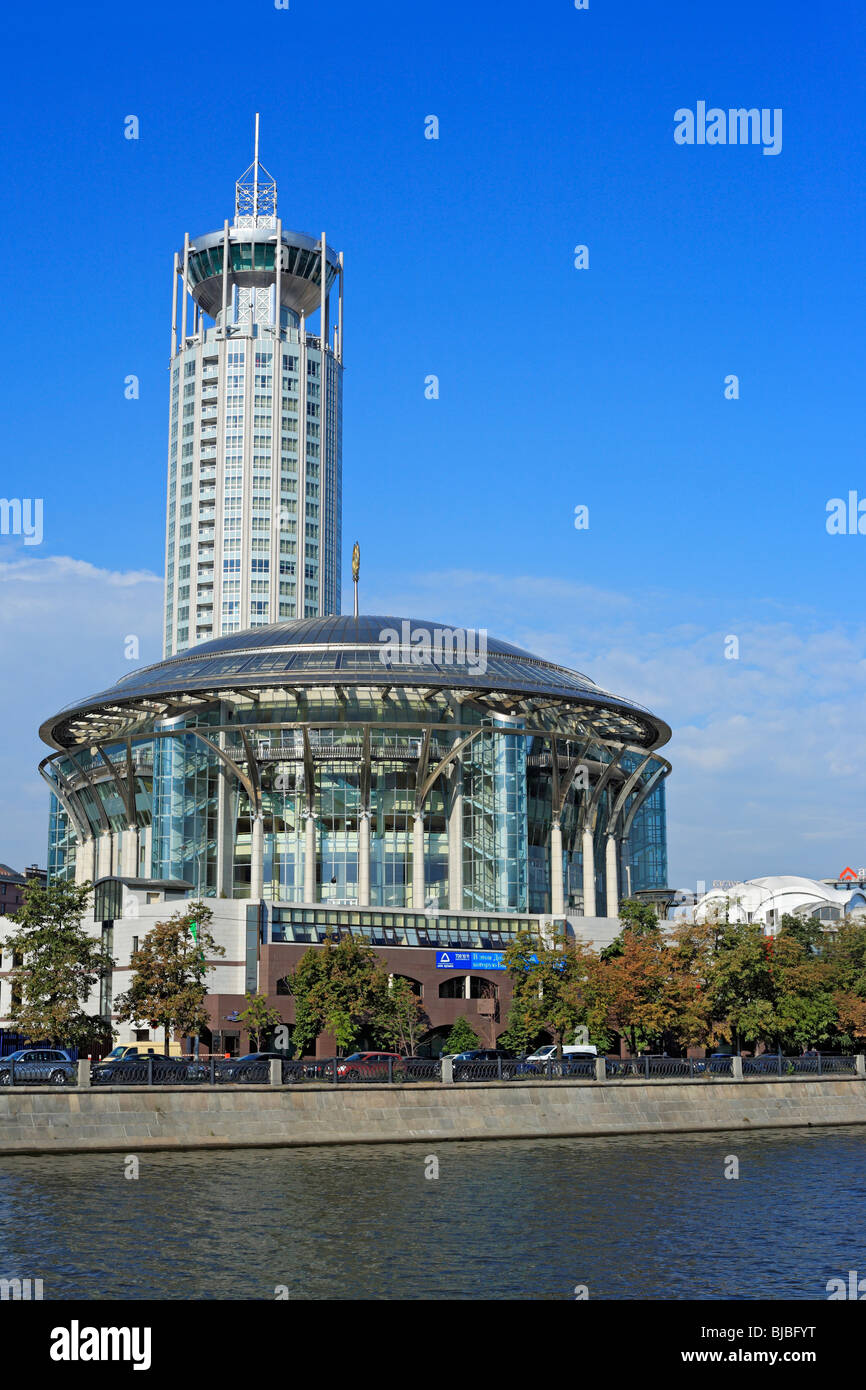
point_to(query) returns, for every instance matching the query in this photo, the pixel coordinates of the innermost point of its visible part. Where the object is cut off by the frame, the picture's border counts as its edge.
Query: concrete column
(146, 840)
(84, 861)
(418, 890)
(601, 1069)
(557, 899)
(103, 855)
(83, 1072)
(257, 859)
(276, 1077)
(736, 1068)
(861, 1064)
(610, 874)
(447, 1071)
(588, 875)
(129, 852)
(364, 859)
(455, 841)
(310, 859)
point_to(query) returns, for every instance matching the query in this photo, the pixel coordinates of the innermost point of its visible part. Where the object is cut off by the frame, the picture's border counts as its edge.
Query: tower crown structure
(253, 525)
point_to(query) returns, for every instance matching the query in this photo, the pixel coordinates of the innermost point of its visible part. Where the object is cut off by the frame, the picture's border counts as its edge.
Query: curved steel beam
(590, 809)
(453, 753)
(121, 791)
(66, 796)
(420, 771)
(100, 809)
(643, 795)
(625, 793)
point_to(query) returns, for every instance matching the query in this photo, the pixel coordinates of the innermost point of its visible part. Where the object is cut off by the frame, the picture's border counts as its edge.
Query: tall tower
(255, 425)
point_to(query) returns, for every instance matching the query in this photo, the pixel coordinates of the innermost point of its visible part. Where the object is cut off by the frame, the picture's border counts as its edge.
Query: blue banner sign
(470, 960)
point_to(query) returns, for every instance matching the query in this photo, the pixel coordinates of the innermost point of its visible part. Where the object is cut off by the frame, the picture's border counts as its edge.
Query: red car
(369, 1066)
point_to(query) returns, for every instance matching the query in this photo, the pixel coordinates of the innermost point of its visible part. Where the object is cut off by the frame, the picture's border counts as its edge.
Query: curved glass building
(371, 762)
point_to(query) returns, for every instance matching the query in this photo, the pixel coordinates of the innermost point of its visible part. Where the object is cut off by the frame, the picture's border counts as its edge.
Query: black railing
(336, 1071)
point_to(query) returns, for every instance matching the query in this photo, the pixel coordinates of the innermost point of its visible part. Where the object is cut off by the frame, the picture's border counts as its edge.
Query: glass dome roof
(371, 650)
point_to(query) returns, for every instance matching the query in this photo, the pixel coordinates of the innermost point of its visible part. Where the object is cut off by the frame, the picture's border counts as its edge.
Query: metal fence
(335, 1071)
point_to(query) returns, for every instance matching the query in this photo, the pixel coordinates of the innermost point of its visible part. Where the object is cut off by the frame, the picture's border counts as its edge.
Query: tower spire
(255, 192)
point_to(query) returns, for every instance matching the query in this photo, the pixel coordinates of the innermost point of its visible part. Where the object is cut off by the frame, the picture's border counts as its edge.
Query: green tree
(845, 954)
(59, 966)
(402, 1019)
(169, 973)
(551, 989)
(635, 916)
(806, 930)
(339, 988)
(773, 990)
(462, 1038)
(259, 1019)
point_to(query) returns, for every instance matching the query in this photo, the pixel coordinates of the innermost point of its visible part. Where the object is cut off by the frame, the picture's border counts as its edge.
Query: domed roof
(366, 651)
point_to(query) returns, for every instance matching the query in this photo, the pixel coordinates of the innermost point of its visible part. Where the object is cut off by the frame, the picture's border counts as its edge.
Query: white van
(549, 1052)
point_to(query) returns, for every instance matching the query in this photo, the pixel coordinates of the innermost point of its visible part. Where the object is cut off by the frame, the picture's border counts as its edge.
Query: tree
(773, 990)
(338, 988)
(633, 987)
(691, 947)
(169, 970)
(60, 965)
(806, 930)
(403, 1019)
(551, 988)
(259, 1019)
(462, 1038)
(635, 916)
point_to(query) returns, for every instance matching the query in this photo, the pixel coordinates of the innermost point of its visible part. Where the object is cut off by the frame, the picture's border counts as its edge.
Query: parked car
(480, 1054)
(37, 1064)
(253, 1068)
(367, 1066)
(133, 1071)
(466, 1070)
(579, 1050)
(769, 1062)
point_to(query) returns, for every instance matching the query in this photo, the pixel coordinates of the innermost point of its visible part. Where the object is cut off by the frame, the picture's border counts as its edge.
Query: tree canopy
(57, 967)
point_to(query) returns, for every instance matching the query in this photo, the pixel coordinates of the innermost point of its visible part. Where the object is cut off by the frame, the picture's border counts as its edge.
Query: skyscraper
(255, 425)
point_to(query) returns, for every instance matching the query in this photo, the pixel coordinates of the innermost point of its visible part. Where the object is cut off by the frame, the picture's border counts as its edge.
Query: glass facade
(201, 781)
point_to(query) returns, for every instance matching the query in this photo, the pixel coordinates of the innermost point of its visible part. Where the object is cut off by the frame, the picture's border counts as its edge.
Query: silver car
(38, 1064)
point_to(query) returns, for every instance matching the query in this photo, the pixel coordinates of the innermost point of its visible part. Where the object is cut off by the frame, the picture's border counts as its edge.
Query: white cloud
(767, 776)
(63, 625)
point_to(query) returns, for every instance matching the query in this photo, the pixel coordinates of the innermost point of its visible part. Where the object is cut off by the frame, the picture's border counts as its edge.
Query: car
(253, 1068)
(135, 1071)
(51, 1065)
(369, 1066)
(466, 1065)
(480, 1054)
(769, 1063)
(576, 1050)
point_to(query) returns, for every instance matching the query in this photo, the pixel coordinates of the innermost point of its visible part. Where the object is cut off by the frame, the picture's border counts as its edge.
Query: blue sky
(558, 387)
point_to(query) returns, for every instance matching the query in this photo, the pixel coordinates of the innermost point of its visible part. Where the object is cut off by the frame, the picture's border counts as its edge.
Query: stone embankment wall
(131, 1119)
